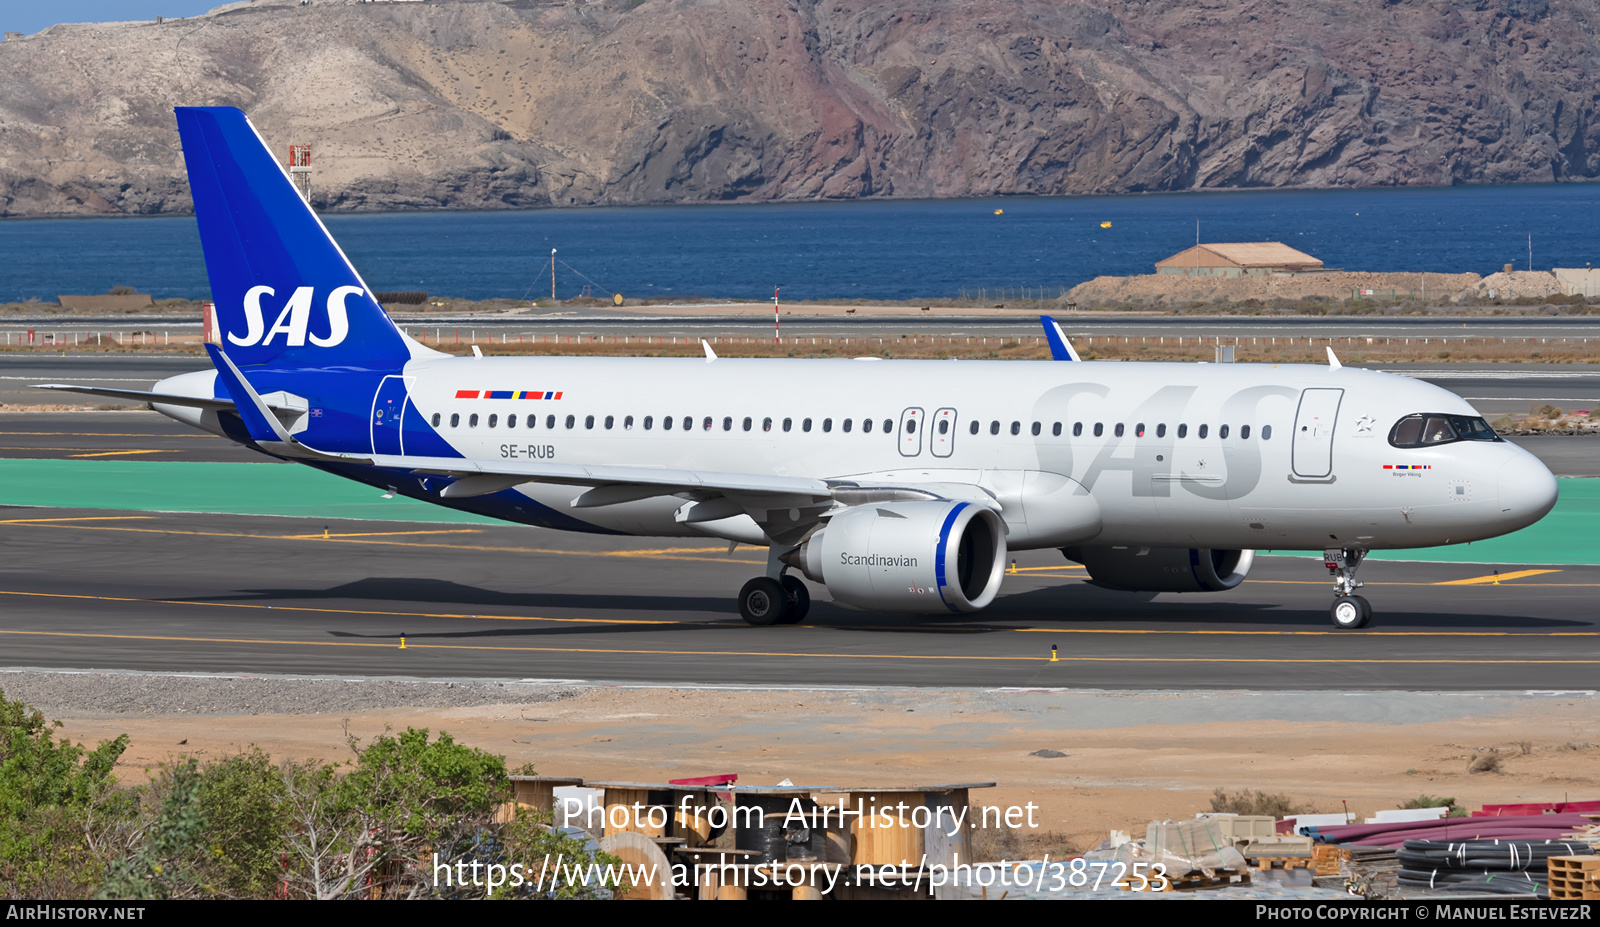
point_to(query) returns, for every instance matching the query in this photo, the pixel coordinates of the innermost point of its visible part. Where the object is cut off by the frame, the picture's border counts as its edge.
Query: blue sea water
(891, 249)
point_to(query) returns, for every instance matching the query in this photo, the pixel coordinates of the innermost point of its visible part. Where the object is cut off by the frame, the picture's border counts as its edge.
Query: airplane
(898, 485)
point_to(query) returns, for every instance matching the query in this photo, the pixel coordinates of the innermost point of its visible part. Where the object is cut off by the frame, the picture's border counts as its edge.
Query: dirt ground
(1129, 757)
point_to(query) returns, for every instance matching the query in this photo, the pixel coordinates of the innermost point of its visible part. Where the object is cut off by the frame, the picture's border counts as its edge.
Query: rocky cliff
(484, 103)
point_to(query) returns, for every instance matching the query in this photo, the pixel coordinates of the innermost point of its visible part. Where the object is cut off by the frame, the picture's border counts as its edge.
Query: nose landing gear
(1349, 611)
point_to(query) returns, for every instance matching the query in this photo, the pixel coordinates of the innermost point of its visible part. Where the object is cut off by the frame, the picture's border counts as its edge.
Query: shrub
(57, 805)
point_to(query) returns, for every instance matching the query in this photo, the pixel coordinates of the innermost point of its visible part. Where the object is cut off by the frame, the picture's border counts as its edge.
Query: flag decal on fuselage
(508, 394)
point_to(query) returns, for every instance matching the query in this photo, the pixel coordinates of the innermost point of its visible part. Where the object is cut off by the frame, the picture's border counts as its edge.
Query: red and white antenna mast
(300, 169)
(775, 315)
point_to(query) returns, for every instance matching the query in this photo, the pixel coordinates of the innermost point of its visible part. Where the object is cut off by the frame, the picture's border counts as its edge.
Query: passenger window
(1118, 430)
(1099, 429)
(472, 420)
(847, 425)
(1016, 428)
(588, 421)
(1244, 432)
(511, 421)
(994, 428)
(688, 423)
(747, 423)
(1036, 429)
(666, 423)
(1266, 432)
(436, 420)
(944, 426)
(1077, 429)
(1205, 430)
(805, 426)
(1161, 430)
(1183, 431)
(1138, 430)
(788, 424)
(827, 425)
(455, 419)
(609, 421)
(888, 425)
(708, 423)
(1222, 431)
(550, 422)
(866, 426)
(727, 423)
(1056, 429)
(572, 420)
(973, 428)
(493, 419)
(627, 422)
(650, 420)
(766, 424)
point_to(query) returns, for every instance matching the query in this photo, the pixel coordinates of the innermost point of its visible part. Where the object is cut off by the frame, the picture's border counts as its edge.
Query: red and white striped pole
(775, 339)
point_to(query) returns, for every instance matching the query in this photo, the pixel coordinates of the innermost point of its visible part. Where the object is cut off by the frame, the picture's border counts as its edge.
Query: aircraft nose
(1527, 490)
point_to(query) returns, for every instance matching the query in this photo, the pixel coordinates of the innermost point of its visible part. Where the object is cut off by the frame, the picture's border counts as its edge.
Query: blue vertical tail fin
(285, 294)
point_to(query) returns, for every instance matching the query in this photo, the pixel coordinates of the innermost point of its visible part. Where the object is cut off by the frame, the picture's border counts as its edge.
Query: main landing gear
(776, 598)
(765, 601)
(1349, 611)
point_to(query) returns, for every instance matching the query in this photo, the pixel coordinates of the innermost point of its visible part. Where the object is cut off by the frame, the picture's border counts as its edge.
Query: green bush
(58, 805)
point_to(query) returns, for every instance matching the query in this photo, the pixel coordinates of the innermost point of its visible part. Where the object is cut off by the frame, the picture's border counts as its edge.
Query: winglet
(710, 354)
(1333, 362)
(1060, 348)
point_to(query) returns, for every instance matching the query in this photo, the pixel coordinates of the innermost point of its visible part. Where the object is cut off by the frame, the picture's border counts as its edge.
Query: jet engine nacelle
(1163, 569)
(921, 557)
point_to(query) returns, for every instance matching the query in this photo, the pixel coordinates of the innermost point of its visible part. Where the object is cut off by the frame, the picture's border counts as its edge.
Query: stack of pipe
(1510, 867)
(1536, 827)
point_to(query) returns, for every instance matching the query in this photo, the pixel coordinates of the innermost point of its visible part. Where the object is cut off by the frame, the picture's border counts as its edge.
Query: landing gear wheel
(799, 600)
(763, 602)
(1351, 612)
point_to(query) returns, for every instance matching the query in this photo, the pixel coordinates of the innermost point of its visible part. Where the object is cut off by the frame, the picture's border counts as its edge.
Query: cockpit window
(1426, 429)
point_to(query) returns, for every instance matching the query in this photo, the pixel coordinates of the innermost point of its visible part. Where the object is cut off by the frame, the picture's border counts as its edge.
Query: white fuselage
(1229, 456)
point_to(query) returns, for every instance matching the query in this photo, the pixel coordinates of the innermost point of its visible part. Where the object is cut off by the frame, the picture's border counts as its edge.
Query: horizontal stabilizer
(170, 399)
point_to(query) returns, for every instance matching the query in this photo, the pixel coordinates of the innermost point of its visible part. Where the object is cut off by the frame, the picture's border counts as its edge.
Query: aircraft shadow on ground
(1083, 604)
(1076, 607)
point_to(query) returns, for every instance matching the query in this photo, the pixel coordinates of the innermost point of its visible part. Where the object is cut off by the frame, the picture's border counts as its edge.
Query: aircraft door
(911, 432)
(942, 433)
(388, 407)
(1313, 433)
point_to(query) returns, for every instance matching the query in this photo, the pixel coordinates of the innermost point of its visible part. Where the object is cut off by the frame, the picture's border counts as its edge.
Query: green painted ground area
(228, 488)
(1568, 535)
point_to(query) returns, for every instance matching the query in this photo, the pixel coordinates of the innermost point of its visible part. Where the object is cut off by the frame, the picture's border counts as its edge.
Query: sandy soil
(1178, 290)
(1130, 757)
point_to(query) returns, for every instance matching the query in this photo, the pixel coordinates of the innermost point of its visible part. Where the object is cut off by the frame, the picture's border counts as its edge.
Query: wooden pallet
(1574, 878)
(1279, 862)
(1326, 857)
(1195, 881)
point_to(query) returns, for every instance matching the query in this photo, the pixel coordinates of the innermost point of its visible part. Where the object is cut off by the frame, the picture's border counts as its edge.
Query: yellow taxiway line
(414, 644)
(933, 629)
(1494, 579)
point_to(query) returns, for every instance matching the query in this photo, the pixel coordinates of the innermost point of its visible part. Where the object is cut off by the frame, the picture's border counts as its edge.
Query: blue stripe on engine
(938, 553)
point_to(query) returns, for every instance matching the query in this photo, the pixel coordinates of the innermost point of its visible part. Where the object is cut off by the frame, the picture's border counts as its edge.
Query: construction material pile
(1534, 827)
(1508, 867)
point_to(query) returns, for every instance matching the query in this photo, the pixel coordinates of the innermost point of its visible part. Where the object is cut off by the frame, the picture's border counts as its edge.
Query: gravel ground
(89, 694)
